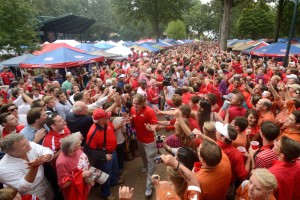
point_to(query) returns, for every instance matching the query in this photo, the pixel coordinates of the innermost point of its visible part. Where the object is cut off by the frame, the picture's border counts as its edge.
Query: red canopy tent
(53, 46)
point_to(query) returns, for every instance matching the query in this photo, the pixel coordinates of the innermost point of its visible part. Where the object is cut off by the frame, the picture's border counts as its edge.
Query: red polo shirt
(97, 141)
(151, 94)
(146, 115)
(265, 157)
(53, 139)
(288, 179)
(238, 169)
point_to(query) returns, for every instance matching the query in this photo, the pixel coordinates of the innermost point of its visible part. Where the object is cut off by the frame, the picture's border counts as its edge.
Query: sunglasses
(13, 109)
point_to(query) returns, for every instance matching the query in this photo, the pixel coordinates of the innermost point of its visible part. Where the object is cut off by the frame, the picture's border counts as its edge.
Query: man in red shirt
(10, 124)
(141, 115)
(7, 76)
(52, 140)
(153, 95)
(264, 156)
(236, 107)
(102, 136)
(286, 169)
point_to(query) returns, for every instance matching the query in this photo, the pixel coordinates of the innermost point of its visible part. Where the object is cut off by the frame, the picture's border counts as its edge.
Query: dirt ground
(134, 178)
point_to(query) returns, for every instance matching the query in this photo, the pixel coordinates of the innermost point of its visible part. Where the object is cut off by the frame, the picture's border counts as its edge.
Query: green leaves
(176, 30)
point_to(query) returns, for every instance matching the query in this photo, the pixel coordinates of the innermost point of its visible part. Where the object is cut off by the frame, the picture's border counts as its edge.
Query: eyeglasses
(13, 109)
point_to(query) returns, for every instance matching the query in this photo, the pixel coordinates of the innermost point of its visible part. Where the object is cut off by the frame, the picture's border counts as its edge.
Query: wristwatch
(191, 136)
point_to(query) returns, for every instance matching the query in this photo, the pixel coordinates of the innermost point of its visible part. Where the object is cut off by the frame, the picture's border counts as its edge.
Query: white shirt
(119, 135)
(23, 109)
(13, 171)
(141, 91)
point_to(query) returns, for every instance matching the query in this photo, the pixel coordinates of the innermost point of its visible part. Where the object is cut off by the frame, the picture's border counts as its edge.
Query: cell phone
(158, 159)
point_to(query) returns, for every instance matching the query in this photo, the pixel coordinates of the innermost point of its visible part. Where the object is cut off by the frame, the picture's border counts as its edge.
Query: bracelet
(176, 169)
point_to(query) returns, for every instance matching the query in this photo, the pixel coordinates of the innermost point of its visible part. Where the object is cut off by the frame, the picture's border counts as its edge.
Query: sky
(205, 1)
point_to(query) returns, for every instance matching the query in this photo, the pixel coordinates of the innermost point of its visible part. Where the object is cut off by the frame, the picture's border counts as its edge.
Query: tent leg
(66, 70)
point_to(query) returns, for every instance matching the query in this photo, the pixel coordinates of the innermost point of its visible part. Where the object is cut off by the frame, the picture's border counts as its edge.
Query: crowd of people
(233, 126)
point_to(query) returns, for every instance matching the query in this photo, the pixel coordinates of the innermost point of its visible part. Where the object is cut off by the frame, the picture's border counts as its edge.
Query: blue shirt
(29, 132)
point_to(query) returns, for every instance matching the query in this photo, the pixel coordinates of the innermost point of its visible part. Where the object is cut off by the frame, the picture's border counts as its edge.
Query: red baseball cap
(101, 114)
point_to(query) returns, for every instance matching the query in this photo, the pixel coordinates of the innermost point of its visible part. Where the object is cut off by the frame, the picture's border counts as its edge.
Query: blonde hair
(47, 99)
(210, 129)
(180, 185)
(266, 178)
(8, 193)
(140, 99)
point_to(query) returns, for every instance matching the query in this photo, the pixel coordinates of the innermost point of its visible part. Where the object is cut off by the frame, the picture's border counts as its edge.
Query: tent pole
(66, 70)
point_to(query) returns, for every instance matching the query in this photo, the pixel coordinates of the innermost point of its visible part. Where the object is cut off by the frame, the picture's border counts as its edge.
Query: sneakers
(111, 197)
(144, 169)
(148, 192)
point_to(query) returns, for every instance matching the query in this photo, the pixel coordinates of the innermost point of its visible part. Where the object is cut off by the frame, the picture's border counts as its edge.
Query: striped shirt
(265, 157)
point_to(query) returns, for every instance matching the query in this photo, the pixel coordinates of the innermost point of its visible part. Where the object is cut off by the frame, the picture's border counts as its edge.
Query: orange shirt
(266, 117)
(214, 182)
(241, 140)
(295, 135)
(165, 191)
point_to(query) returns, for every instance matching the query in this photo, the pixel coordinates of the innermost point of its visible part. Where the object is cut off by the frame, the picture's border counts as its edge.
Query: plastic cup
(197, 166)
(241, 149)
(254, 145)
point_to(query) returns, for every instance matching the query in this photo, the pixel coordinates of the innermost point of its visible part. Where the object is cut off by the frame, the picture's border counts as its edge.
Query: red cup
(197, 166)
(241, 149)
(254, 145)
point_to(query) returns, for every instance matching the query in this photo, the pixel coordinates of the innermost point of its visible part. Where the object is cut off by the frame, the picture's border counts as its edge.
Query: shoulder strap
(93, 134)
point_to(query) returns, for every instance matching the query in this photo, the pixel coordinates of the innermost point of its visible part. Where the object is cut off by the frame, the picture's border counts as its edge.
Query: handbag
(96, 154)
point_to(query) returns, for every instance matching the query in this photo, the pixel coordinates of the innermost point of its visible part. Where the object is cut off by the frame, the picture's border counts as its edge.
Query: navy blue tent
(276, 50)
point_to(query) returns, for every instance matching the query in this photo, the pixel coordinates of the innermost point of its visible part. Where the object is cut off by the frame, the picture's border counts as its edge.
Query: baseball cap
(222, 129)
(108, 82)
(295, 86)
(292, 76)
(101, 114)
(228, 96)
(122, 76)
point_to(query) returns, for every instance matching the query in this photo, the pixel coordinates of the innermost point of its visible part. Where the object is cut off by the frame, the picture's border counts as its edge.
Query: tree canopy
(176, 30)
(18, 25)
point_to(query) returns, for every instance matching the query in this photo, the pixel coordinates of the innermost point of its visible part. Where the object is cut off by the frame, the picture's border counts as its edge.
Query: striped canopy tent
(139, 48)
(245, 46)
(105, 54)
(254, 47)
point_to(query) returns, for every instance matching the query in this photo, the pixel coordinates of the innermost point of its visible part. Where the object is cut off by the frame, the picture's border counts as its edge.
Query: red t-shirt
(7, 77)
(238, 169)
(288, 179)
(53, 139)
(97, 141)
(145, 115)
(234, 111)
(186, 97)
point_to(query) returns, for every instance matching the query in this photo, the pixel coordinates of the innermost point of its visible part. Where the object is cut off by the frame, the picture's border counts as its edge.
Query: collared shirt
(288, 179)
(17, 130)
(238, 169)
(29, 132)
(146, 115)
(294, 135)
(98, 140)
(265, 157)
(266, 117)
(63, 109)
(13, 171)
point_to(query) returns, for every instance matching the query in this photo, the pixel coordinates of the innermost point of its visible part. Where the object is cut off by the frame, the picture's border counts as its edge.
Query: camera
(158, 159)
(159, 139)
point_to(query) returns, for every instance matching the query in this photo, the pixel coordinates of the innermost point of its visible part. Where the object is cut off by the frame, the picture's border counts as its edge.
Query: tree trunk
(156, 22)
(225, 24)
(278, 19)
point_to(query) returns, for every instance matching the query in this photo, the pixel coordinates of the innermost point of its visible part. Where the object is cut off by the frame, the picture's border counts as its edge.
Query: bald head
(263, 105)
(80, 108)
(56, 83)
